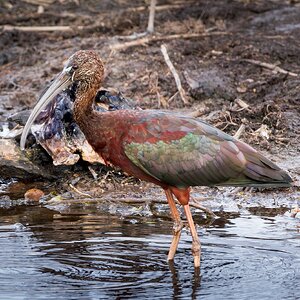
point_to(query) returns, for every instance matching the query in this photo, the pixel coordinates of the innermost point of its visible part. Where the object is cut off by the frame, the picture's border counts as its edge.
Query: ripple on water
(101, 256)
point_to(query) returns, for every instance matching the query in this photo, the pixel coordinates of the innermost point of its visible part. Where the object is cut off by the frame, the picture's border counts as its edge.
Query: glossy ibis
(167, 149)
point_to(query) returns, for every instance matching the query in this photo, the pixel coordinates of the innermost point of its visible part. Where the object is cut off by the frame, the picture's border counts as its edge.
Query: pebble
(34, 194)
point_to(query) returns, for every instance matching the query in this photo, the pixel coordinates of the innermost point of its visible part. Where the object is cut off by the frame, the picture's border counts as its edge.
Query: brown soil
(213, 68)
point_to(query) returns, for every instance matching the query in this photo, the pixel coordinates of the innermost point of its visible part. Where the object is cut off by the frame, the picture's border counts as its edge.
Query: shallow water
(92, 254)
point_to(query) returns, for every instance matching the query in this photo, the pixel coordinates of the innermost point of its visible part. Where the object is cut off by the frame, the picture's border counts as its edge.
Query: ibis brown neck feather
(88, 77)
(83, 105)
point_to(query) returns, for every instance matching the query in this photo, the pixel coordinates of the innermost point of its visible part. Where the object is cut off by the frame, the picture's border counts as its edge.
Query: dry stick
(240, 131)
(94, 174)
(39, 2)
(79, 192)
(150, 27)
(139, 201)
(161, 7)
(133, 201)
(40, 28)
(203, 208)
(33, 16)
(270, 66)
(150, 39)
(91, 199)
(138, 42)
(175, 74)
(241, 103)
(172, 97)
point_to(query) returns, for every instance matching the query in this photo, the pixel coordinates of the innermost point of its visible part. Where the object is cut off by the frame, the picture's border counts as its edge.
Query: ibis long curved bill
(62, 81)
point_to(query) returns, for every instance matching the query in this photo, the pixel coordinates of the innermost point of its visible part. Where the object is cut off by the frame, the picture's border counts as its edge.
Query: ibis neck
(83, 105)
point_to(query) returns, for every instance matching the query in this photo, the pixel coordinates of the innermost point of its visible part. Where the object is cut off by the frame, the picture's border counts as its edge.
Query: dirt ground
(217, 47)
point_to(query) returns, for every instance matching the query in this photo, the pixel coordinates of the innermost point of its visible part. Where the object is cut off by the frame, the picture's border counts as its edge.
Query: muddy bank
(237, 60)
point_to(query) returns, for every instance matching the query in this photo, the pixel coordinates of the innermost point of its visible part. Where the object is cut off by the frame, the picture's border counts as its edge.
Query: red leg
(177, 225)
(183, 196)
(196, 246)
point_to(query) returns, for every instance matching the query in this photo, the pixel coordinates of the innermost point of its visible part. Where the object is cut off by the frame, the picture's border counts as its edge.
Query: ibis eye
(75, 67)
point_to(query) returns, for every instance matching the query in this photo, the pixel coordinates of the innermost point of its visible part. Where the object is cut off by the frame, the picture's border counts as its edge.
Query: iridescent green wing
(197, 154)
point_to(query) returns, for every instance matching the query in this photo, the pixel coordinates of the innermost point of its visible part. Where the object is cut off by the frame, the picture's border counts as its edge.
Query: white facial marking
(67, 69)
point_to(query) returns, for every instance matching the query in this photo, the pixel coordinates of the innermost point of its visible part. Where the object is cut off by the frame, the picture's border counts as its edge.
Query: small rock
(15, 164)
(34, 194)
(213, 83)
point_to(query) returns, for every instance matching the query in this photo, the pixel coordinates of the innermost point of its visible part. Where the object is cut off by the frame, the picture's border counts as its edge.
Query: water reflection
(91, 254)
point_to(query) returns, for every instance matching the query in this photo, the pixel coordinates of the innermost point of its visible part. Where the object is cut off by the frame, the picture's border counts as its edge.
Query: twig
(203, 208)
(161, 201)
(133, 200)
(40, 28)
(146, 40)
(161, 7)
(158, 201)
(94, 174)
(175, 74)
(133, 36)
(270, 67)
(172, 97)
(79, 192)
(39, 2)
(241, 103)
(150, 27)
(137, 42)
(240, 131)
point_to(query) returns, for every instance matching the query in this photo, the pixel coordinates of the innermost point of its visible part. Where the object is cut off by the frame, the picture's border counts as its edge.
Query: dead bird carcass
(57, 132)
